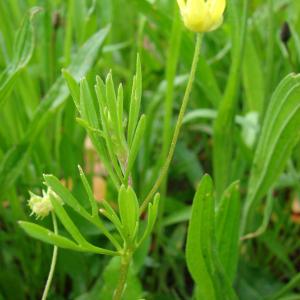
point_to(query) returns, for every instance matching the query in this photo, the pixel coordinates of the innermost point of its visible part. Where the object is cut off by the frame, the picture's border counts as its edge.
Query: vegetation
(147, 155)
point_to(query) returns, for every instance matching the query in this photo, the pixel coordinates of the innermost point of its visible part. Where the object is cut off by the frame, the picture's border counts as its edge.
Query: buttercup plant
(117, 142)
(117, 145)
(112, 234)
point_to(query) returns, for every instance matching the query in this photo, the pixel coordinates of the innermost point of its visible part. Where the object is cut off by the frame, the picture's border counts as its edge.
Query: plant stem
(125, 263)
(53, 262)
(177, 127)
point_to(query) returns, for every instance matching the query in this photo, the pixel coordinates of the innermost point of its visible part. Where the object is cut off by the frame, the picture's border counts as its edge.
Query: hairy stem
(53, 262)
(185, 101)
(125, 263)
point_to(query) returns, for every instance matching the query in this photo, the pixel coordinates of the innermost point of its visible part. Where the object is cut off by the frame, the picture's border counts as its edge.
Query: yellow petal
(216, 24)
(195, 5)
(195, 15)
(181, 4)
(217, 8)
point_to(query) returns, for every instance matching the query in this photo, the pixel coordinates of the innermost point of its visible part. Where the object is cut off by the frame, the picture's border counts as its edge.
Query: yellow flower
(202, 15)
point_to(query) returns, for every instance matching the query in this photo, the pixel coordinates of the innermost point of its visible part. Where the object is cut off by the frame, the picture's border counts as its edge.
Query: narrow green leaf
(279, 134)
(107, 128)
(104, 147)
(111, 101)
(100, 92)
(87, 127)
(67, 222)
(120, 104)
(116, 221)
(138, 91)
(135, 145)
(152, 215)
(227, 229)
(22, 52)
(111, 215)
(87, 107)
(66, 196)
(129, 211)
(253, 76)
(73, 87)
(135, 102)
(47, 236)
(89, 191)
(132, 108)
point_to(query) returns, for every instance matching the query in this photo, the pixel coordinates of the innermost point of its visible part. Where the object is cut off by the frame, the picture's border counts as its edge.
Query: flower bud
(202, 15)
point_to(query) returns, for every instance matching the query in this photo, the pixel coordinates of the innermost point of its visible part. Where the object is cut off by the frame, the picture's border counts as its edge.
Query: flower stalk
(53, 261)
(183, 107)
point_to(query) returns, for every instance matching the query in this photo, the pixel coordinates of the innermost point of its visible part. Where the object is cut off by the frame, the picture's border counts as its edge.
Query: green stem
(185, 101)
(53, 262)
(125, 263)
